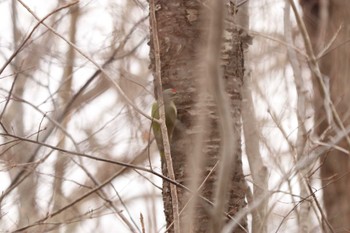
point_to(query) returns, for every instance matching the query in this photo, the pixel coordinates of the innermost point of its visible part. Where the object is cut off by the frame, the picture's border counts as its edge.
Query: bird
(170, 119)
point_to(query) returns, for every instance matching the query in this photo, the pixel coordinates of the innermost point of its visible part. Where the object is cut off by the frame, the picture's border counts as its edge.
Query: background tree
(328, 26)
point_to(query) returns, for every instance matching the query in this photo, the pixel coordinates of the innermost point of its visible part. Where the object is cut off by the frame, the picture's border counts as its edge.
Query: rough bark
(324, 19)
(181, 29)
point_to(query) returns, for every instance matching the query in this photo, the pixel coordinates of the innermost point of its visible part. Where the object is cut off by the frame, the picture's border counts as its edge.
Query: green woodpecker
(170, 118)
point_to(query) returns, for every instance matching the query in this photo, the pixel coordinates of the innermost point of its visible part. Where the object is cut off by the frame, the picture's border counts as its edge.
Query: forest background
(77, 81)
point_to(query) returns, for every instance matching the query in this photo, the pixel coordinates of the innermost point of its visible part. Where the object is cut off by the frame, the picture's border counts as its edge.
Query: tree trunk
(324, 19)
(182, 33)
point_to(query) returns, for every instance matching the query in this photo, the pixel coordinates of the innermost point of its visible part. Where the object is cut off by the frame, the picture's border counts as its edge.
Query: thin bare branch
(106, 75)
(164, 131)
(313, 63)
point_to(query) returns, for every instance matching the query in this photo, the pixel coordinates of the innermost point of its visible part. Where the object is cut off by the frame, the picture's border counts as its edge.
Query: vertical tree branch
(167, 153)
(256, 164)
(301, 111)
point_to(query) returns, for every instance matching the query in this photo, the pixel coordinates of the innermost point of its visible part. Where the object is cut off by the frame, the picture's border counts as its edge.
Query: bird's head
(169, 94)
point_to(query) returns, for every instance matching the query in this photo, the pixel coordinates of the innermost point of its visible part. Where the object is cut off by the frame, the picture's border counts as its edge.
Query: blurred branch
(304, 211)
(305, 161)
(107, 181)
(106, 75)
(256, 164)
(123, 169)
(227, 135)
(313, 64)
(59, 117)
(32, 31)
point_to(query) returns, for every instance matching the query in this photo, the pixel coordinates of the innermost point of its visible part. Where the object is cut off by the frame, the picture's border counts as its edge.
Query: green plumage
(170, 118)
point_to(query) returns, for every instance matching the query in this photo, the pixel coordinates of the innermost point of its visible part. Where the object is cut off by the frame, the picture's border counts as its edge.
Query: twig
(313, 63)
(304, 209)
(305, 161)
(94, 190)
(32, 31)
(123, 164)
(142, 223)
(106, 75)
